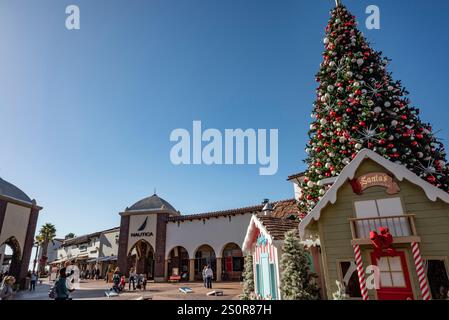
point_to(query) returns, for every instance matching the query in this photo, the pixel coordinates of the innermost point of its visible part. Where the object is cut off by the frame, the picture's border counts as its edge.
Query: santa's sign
(375, 179)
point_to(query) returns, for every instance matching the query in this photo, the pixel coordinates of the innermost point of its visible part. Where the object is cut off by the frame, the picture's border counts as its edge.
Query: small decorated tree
(248, 278)
(296, 278)
(340, 294)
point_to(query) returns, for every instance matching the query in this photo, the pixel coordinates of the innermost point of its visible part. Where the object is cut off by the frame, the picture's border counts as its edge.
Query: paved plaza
(95, 290)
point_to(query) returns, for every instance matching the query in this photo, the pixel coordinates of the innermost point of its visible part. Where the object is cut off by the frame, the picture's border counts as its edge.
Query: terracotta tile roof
(283, 208)
(86, 237)
(223, 213)
(281, 220)
(277, 227)
(296, 176)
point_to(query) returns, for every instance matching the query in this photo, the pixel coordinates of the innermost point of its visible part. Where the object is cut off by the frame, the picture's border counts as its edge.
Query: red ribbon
(382, 241)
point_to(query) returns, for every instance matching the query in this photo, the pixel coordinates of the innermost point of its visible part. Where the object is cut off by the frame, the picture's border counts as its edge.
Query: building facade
(52, 250)
(156, 240)
(90, 252)
(18, 219)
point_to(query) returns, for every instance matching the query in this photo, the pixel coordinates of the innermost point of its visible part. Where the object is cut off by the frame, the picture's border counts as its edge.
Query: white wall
(297, 190)
(92, 249)
(15, 224)
(215, 232)
(52, 250)
(109, 244)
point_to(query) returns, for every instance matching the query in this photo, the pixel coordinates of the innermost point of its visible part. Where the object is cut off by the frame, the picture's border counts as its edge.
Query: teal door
(265, 264)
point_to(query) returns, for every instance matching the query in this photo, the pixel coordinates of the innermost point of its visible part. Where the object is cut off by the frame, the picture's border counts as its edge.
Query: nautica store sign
(140, 232)
(142, 227)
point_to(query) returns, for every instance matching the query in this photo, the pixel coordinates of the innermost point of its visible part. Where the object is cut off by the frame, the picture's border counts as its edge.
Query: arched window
(204, 255)
(178, 263)
(232, 262)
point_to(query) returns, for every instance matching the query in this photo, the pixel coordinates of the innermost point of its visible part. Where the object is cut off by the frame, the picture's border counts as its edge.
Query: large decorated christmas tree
(359, 105)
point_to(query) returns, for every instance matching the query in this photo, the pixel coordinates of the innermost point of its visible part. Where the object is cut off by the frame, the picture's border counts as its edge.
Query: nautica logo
(140, 232)
(143, 226)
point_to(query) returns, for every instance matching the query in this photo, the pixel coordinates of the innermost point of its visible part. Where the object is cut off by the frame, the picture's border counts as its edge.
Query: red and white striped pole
(424, 286)
(360, 271)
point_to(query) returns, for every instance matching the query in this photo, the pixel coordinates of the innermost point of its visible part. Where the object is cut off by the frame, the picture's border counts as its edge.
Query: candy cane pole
(424, 286)
(360, 272)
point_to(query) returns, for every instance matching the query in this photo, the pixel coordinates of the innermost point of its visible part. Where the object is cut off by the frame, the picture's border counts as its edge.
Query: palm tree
(70, 235)
(46, 234)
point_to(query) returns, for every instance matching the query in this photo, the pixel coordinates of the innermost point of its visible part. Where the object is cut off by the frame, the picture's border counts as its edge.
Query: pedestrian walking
(97, 273)
(132, 279)
(209, 277)
(33, 281)
(61, 289)
(7, 291)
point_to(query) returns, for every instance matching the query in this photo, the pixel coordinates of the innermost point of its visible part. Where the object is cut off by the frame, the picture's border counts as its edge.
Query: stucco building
(18, 219)
(158, 241)
(96, 250)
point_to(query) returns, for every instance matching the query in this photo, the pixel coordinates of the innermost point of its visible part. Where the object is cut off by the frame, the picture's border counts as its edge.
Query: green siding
(432, 224)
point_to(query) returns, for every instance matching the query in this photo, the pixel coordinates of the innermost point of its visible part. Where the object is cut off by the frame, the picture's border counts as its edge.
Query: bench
(174, 278)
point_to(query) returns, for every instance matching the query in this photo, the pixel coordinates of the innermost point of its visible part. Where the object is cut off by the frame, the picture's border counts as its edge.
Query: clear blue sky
(86, 115)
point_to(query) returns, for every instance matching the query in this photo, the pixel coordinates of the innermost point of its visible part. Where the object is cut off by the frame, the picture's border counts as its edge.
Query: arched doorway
(232, 262)
(141, 258)
(204, 256)
(11, 257)
(178, 263)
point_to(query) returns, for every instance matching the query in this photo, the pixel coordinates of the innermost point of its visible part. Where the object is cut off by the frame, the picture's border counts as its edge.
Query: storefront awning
(108, 258)
(82, 257)
(92, 260)
(58, 261)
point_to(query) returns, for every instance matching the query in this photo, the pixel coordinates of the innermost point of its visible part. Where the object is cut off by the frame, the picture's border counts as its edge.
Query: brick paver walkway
(95, 290)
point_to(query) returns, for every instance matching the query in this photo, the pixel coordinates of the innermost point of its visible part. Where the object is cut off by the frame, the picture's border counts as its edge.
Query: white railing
(399, 226)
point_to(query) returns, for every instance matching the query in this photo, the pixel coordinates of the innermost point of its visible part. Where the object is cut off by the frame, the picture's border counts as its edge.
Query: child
(122, 283)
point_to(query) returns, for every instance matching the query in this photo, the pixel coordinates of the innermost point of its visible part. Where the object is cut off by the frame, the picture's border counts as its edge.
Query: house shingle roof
(283, 219)
(277, 227)
(285, 209)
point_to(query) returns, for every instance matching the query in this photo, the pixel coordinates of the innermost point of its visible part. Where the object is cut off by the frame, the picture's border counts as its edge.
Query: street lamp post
(36, 256)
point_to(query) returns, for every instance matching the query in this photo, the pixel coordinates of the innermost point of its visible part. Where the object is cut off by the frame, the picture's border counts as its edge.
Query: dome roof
(9, 190)
(152, 203)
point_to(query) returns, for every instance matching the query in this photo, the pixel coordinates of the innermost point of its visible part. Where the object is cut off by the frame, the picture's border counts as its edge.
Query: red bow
(382, 241)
